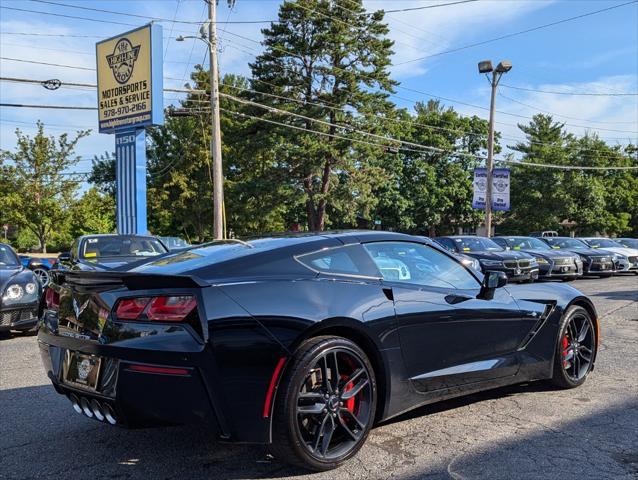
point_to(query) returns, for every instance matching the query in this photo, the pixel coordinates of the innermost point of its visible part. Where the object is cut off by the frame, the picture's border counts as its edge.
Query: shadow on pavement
(601, 446)
(57, 442)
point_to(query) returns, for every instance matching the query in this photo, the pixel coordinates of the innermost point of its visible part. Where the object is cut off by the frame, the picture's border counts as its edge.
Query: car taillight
(131, 308)
(165, 308)
(52, 299)
(171, 309)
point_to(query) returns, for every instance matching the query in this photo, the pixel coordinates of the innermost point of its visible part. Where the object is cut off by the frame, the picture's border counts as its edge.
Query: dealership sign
(129, 80)
(130, 98)
(500, 188)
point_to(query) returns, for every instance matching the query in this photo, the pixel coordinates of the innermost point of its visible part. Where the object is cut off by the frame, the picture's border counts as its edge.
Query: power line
(453, 153)
(429, 6)
(46, 63)
(431, 95)
(112, 22)
(588, 94)
(533, 107)
(514, 34)
(145, 17)
(57, 107)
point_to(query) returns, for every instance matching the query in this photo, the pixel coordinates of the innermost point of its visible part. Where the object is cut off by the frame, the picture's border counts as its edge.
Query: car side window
(447, 243)
(419, 264)
(500, 242)
(347, 260)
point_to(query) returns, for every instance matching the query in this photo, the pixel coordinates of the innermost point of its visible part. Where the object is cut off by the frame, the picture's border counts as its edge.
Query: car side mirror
(64, 257)
(491, 281)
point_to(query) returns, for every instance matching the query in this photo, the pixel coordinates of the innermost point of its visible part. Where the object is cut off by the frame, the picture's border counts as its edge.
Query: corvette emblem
(77, 308)
(122, 60)
(84, 368)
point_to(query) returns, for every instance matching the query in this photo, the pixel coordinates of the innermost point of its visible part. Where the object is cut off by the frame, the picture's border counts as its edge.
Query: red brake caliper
(350, 403)
(565, 346)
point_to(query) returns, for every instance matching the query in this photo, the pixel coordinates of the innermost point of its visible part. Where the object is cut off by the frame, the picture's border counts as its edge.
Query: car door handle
(453, 298)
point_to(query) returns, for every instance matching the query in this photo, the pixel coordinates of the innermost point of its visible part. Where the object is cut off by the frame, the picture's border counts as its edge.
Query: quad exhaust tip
(93, 408)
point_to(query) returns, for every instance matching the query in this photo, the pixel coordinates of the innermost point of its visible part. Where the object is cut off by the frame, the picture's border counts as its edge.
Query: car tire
(575, 348)
(346, 430)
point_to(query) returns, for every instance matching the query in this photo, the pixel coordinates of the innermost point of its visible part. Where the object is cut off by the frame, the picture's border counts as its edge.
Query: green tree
(327, 63)
(93, 212)
(538, 195)
(103, 173)
(41, 191)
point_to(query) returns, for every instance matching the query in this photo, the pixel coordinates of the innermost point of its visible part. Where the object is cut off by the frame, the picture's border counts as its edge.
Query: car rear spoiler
(131, 280)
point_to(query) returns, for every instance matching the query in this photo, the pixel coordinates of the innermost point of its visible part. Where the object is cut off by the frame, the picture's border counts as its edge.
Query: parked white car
(628, 254)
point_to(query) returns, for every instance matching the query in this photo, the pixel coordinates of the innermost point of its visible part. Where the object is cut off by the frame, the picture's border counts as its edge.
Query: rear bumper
(23, 317)
(138, 399)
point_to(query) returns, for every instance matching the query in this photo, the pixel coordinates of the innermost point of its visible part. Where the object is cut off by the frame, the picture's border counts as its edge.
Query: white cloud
(420, 33)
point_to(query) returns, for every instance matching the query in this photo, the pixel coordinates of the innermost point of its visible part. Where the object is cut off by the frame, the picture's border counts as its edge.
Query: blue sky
(597, 54)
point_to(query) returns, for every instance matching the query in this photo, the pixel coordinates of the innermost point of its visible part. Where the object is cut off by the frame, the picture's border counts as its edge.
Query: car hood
(505, 255)
(587, 252)
(627, 252)
(17, 274)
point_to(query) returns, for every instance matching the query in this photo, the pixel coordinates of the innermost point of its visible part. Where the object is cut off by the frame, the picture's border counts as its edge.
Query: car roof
(104, 235)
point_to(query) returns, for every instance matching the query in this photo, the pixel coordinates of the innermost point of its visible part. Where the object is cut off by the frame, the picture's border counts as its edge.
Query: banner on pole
(500, 188)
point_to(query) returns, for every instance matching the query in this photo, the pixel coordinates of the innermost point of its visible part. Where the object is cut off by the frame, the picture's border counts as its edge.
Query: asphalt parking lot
(525, 431)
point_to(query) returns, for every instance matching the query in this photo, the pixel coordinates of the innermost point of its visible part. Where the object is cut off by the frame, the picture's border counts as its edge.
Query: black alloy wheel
(326, 406)
(576, 348)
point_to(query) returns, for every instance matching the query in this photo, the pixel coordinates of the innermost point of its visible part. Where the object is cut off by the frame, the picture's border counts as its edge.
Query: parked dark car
(39, 266)
(595, 261)
(519, 266)
(20, 291)
(628, 242)
(303, 342)
(551, 263)
(109, 251)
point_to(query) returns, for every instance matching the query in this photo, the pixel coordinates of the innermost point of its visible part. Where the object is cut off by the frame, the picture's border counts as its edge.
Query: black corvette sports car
(303, 342)
(518, 266)
(20, 292)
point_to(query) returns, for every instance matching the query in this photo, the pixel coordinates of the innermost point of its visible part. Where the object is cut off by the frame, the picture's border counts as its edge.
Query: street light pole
(501, 68)
(216, 137)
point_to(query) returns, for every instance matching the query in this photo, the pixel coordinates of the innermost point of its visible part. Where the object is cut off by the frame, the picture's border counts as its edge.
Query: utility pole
(501, 68)
(216, 136)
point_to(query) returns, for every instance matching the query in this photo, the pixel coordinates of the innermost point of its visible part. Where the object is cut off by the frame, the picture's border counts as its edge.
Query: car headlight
(541, 260)
(13, 292)
(491, 263)
(30, 288)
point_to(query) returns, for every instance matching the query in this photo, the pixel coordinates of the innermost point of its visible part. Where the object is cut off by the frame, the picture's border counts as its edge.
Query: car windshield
(8, 259)
(629, 242)
(121, 246)
(528, 243)
(603, 243)
(477, 244)
(568, 243)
